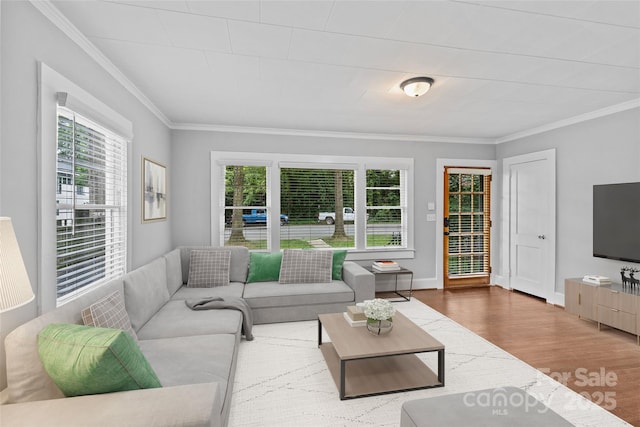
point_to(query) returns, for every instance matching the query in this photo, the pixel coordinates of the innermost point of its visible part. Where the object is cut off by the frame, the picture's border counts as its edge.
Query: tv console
(612, 305)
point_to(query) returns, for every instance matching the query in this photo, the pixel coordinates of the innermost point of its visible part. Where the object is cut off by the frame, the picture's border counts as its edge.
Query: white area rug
(282, 379)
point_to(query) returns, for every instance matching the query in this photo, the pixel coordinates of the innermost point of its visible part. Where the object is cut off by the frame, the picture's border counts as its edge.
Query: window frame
(111, 210)
(275, 161)
(54, 90)
(331, 171)
(402, 205)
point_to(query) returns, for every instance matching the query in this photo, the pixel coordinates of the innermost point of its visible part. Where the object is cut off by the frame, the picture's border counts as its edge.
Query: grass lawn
(373, 240)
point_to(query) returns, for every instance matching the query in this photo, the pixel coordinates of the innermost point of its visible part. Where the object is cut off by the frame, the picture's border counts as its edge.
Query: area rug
(282, 379)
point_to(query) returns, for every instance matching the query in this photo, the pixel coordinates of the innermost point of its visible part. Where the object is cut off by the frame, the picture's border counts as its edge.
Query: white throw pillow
(306, 266)
(109, 312)
(209, 268)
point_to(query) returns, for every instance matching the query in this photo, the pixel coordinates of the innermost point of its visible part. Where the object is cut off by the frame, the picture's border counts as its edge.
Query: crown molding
(628, 105)
(329, 134)
(59, 20)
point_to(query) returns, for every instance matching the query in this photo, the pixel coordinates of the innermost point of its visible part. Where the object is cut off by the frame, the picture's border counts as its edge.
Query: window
(91, 203)
(277, 201)
(245, 206)
(319, 205)
(386, 208)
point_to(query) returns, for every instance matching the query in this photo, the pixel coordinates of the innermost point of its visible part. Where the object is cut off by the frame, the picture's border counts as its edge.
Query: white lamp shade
(417, 86)
(15, 288)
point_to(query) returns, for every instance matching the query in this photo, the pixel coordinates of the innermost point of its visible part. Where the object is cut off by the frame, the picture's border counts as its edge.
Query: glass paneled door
(467, 226)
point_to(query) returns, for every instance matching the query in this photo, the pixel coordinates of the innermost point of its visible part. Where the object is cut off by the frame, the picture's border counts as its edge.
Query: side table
(396, 273)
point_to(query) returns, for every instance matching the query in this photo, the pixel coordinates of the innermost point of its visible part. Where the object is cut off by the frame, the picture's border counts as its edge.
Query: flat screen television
(616, 221)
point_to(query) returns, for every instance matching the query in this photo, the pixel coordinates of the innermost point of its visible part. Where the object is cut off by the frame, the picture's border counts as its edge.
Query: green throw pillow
(88, 360)
(264, 267)
(338, 260)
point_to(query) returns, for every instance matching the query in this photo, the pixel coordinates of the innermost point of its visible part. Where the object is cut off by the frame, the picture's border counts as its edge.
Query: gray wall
(600, 151)
(191, 204)
(28, 37)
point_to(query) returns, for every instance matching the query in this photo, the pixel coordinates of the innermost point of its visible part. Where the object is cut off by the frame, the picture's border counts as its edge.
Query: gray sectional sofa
(193, 353)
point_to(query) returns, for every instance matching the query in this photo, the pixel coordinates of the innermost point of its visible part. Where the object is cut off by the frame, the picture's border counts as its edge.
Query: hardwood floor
(602, 365)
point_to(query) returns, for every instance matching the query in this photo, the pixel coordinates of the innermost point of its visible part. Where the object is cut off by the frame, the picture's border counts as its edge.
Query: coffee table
(366, 365)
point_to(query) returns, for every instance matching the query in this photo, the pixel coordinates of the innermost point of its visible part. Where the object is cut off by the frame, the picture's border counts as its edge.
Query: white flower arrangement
(378, 309)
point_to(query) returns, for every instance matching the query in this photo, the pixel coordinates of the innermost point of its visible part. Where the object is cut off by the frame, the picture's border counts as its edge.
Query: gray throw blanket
(216, 303)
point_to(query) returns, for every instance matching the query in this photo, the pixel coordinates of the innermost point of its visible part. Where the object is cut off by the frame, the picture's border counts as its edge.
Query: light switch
(431, 206)
(431, 217)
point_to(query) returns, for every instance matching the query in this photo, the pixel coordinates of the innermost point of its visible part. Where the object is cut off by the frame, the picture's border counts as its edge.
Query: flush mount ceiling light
(416, 86)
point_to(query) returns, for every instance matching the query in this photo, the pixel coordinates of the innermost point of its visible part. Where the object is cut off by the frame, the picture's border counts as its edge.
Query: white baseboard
(500, 280)
(557, 299)
(418, 284)
(428, 283)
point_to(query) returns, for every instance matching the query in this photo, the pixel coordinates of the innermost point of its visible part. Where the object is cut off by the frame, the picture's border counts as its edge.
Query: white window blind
(322, 200)
(308, 192)
(91, 208)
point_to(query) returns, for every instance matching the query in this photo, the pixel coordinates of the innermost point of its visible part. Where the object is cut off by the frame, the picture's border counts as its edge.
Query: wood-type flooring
(604, 366)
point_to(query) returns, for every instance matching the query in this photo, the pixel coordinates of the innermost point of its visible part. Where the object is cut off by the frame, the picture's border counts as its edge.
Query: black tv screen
(616, 221)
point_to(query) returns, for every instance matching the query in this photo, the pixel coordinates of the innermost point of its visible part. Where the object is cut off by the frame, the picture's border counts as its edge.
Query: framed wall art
(154, 191)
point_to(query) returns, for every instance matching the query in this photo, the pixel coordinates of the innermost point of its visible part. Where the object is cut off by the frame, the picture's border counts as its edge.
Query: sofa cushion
(306, 266)
(234, 289)
(208, 269)
(174, 271)
(26, 378)
(145, 291)
(273, 294)
(192, 359)
(264, 266)
(109, 312)
(338, 261)
(239, 261)
(88, 360)
(175, 319)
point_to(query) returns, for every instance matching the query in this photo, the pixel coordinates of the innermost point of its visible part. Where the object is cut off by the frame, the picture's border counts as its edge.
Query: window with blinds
(91, 208)
(320, 206)
(323, 202)
(386, 208)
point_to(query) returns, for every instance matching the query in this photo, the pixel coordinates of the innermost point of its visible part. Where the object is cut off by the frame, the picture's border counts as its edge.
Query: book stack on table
(596, 279)
(355, 316)
(385, 265)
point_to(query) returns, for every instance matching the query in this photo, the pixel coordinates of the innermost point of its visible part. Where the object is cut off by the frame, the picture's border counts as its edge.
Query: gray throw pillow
(109, 312)
(306, 266)
(209, 268)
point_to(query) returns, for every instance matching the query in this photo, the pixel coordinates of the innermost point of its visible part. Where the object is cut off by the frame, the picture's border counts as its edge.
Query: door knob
(542, 236)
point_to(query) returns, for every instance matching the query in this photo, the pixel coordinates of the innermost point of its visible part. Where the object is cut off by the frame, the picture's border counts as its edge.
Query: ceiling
(501, 68)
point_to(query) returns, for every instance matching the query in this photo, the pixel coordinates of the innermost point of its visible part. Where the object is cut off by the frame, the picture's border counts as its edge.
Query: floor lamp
(15, 287)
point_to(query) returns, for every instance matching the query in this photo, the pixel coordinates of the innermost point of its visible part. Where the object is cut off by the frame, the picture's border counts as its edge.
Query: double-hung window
(386, 208)
(91, 203)
(245, 206)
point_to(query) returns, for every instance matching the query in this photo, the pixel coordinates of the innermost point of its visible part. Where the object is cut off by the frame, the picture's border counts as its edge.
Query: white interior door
(532, 224)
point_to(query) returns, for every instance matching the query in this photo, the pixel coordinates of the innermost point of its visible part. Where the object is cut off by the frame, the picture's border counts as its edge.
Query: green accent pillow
(264, 267)
(88, 360)
(338, 260)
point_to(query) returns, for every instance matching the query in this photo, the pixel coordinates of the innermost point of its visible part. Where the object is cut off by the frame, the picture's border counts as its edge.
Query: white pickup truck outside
(330, 217)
